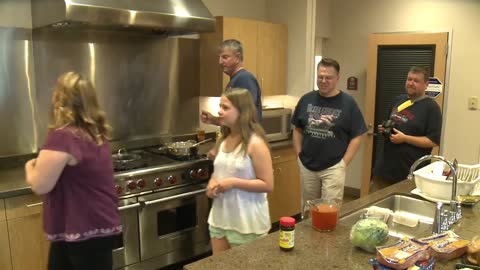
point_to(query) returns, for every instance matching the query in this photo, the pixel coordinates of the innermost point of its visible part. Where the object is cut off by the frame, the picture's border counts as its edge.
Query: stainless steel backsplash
(147, 84)
(17, 93)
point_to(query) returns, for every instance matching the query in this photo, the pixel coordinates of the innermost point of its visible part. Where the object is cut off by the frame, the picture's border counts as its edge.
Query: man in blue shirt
(231, 60)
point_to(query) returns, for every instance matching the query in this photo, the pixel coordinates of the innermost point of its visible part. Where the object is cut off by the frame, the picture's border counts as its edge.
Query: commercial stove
(163, 207)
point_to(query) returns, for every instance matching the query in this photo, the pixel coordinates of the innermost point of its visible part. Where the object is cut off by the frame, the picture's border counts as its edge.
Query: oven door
(127, 251)
(173, 220)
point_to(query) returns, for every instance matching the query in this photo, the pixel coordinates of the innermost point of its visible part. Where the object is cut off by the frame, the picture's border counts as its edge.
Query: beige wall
(299, 16)
(15, 13)
(353, 21)
(323, 19)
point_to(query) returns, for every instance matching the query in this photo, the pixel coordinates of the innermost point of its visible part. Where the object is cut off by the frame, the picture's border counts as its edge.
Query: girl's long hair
(75, 104)
(242, 100)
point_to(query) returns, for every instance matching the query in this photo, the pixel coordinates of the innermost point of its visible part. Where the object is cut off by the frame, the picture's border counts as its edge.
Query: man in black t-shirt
(328, 131)
(417, 128)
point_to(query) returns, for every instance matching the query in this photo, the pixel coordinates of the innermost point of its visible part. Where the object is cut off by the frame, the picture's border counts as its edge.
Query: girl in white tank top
(242, 176)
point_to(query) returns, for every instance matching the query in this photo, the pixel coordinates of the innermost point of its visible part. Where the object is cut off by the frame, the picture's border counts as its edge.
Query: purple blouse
(83, 204)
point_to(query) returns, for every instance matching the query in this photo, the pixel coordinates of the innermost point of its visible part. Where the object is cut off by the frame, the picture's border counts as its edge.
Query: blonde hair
(74, 103)
(242, 100)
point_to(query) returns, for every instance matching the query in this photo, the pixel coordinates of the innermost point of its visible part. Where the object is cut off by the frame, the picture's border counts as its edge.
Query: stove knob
(172, 179)
(158, 181)
(141, 183)
(202, 173)
(193, 174)
(119, 189)
(131, 185)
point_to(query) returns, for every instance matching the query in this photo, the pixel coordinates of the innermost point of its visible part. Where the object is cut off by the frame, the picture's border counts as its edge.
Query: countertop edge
(16, 187)
(15, 192)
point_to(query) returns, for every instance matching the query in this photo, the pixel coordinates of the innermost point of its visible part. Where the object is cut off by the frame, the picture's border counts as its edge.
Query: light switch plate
(473, 103)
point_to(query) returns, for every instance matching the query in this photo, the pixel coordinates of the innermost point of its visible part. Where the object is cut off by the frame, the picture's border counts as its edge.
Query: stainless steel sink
(423, 210)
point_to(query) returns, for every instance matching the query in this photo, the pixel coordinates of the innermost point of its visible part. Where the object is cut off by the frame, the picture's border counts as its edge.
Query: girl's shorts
(234, 238)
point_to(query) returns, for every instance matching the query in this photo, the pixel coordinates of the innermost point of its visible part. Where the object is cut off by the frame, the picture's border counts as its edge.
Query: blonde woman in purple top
(74, 172)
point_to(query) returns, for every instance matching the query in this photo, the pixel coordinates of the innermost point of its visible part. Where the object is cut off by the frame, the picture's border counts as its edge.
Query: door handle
(130, 206)
(34, 204)
(174, 197)
(370, 130)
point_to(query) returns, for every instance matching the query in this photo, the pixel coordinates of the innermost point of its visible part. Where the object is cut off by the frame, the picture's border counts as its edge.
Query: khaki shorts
(326, 184)
(234, 238)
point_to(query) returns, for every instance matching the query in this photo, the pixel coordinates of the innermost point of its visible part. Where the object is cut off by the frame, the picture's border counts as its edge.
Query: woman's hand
(212, 188)
(30, 164)
(225, 185)
(212, 192)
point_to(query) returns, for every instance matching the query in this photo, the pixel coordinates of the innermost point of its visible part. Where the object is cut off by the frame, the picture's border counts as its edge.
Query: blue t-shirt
(328, 124)
(245, 79)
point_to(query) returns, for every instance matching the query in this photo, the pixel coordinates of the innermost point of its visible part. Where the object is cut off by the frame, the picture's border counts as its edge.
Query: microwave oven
(276, 123)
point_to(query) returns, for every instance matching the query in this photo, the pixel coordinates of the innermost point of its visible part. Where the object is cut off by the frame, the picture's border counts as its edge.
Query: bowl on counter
(431, 181)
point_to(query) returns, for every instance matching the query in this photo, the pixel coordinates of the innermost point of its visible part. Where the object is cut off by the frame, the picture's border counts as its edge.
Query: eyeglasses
(326, 78)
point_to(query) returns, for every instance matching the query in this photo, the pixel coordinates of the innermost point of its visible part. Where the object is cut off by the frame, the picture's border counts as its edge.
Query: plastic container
(286, 240)
(421, 265)
(403, 254)
(323, 213)
(433, 184)
(446, 246)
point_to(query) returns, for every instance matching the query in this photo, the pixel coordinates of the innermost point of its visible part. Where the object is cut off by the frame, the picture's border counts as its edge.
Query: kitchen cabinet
(272, 58)
(285, 200)
(28, 245)
(264, 50)
(5, 262)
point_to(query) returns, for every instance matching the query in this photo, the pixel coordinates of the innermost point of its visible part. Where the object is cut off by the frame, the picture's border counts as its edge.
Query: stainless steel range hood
(173, 17)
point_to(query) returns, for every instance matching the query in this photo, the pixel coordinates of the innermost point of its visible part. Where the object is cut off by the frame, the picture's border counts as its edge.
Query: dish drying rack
(465, 173)
(468, 173)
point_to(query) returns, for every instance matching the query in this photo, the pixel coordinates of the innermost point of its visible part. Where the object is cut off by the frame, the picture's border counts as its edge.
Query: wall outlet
(473, 103)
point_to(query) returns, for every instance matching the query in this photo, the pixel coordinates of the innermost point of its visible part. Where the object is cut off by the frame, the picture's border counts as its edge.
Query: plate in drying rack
(417, 191)
(425, 196)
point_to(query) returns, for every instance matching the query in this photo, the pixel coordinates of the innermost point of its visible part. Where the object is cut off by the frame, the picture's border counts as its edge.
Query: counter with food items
(329, 250)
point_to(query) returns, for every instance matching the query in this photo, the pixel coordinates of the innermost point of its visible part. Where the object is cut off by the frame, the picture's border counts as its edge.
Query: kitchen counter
(327, 250)
(12, 180)
(281, 144)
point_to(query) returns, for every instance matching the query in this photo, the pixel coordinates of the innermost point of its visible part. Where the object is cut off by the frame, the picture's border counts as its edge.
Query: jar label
(287, 239)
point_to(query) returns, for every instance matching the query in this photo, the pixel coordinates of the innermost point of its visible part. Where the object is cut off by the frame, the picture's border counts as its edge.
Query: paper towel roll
(379, 212)
(405, 218)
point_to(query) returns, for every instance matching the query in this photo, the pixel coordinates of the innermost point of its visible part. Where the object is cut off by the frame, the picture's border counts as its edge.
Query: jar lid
(287, 221)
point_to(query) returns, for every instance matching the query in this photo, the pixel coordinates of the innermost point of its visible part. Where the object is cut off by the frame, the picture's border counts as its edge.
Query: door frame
(442, 53)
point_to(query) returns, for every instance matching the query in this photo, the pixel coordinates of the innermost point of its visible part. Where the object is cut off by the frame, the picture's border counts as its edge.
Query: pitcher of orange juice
(323, 213)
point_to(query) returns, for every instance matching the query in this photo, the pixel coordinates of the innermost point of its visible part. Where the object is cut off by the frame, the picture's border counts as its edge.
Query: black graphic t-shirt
(328, 125)
(423, 118)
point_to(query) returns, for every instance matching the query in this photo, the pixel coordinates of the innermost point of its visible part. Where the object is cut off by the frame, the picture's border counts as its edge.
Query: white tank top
(235, 209)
